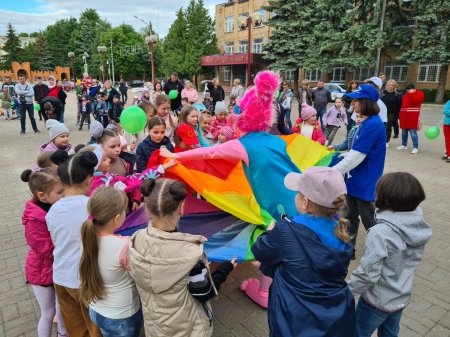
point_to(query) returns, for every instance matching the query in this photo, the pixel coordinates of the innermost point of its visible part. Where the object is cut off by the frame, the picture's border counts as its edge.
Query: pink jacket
(191, 94)
(50, 146)
(128, 184)
(317, 134)
(216, 125)
(39, 260)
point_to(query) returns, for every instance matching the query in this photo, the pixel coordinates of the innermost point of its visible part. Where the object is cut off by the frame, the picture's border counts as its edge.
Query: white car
(336, 89)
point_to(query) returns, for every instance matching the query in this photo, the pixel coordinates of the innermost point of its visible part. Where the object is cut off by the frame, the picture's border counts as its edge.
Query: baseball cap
(321, 185)
(365, 91)
(377, 81)
(187, 134)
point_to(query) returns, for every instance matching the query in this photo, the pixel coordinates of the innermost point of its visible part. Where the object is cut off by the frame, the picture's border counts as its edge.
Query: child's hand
(135, 205)
(132, 146)
(164, 152)
(171, 163)
(234, 262)
(271, 226)
(330, 147)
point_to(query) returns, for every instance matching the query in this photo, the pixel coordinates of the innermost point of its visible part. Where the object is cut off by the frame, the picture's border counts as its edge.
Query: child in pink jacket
(308, 125)
(59, 137)
(46, 189)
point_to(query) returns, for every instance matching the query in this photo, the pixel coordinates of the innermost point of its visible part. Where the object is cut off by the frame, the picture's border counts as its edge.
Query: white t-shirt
(121, 297)
(64, 221)
(307, 130)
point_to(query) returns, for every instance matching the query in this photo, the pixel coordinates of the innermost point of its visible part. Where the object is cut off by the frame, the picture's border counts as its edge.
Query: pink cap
(321, 185)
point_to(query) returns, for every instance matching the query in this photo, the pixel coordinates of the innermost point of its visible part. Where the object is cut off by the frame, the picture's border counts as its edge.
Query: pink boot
(258, 290)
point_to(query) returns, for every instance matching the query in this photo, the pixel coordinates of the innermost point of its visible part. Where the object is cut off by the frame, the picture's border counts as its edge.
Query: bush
(430, 95)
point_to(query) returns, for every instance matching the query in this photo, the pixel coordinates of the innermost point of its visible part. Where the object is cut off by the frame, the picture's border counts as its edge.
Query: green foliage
(43, 59)
(12, 48)
(56, 47)
(175, 46)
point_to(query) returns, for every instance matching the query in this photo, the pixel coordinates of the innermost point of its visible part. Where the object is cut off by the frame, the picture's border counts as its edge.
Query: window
(259, 18)
(258, 46)
(243, 21)
(243, 46)
(363, 73)
(396, 70)
(228, 48)
(338, 74)
(289, 75)
(227, 73)
(429, 72)
(229, 24)
(312, 75)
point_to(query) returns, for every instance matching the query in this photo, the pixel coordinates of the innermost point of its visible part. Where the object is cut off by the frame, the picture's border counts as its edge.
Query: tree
(174, 46)
(29, 55)
(11, 47)
(56, 37)
(200, 37)
(44, 60)
(432, 38)
(23, 34)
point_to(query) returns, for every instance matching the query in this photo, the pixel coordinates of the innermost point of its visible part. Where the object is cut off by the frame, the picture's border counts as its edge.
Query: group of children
(101, 284)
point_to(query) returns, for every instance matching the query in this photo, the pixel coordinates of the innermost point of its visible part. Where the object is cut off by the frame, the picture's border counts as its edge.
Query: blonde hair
(333, 213)
(305, 82)
(103, 206)
(394, 82)
(187, 82)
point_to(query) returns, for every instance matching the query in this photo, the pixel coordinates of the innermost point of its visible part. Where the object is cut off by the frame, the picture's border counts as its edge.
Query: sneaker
(395, 136)
(22, 132)
(37, 131)
(414, 151)
(387, 144)
(448, 160)
(444, 157)
(402, 147)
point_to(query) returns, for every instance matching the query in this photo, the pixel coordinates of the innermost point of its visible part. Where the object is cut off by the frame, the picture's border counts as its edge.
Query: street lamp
(151, 40)
(112, 54)
(102, 51)
(249, 48)
(71, 55)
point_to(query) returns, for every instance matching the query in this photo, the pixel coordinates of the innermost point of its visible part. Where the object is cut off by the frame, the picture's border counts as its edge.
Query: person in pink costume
(308, 125)
(258, 150)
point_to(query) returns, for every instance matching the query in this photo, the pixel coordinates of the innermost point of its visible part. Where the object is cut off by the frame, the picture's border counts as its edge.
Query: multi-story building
(24, 41)
(239, 45)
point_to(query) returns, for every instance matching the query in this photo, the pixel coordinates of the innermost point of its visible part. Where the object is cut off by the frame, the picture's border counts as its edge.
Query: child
(162, 104)
(162, 260)
(333, 119)
(232, 101)
(135, 100)
(59, 137)
(6, 104)
(205, 120)
(230, 108)
(346, 145)
(116, 109)
(446, 127)
(308, 125)
(44, 162)
(393, 249)
(64, 221)
(207, 102)
(46, 189)
(106, 287)
(101, 109)
(185, 138)
(110, 144)
(307, 257)
(151, 145)
(145, 96)
(225, 134)
(220, 120)
(189, 115)
(85, 111)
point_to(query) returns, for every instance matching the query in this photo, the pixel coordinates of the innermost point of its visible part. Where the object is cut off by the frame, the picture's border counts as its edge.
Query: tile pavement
(235, 315)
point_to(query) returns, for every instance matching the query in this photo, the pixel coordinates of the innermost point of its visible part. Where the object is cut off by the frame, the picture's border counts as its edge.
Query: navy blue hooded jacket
(145, 150)
(309, 296)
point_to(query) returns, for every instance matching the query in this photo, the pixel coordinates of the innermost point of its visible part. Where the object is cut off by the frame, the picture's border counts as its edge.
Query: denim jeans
(61, 118)
(126, 327)
(23, 108)
(287, 116)
(368, 319)
(414, 137)
(320, 113)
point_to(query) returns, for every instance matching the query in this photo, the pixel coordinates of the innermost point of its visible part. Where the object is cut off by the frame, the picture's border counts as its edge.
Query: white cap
(377, 81)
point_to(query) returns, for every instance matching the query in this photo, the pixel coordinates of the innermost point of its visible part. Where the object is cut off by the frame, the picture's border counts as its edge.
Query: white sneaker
(402, 147)
(414, 151)
(387, 144)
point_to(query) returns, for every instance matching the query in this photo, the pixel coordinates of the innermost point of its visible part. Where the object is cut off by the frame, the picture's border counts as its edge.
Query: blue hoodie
(308, 264)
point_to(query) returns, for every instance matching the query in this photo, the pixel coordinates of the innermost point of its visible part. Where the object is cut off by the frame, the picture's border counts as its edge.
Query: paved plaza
(235, 315)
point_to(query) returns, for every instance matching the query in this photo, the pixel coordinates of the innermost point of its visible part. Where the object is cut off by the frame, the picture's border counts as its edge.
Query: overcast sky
(34, 15)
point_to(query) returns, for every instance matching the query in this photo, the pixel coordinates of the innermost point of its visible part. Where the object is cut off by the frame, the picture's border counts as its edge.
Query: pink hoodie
(39, 260)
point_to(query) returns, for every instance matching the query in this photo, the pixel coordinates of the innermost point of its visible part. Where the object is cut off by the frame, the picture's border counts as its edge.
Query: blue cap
(365, 91)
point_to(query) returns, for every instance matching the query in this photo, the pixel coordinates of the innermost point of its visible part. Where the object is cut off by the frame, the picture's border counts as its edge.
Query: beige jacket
(160, 264)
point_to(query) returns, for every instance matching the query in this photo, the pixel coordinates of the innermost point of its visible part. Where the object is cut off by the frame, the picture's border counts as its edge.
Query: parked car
(336, 89)
(137, 84)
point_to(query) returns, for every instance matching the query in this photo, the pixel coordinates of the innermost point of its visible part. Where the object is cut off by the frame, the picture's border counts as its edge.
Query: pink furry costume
(260, 152)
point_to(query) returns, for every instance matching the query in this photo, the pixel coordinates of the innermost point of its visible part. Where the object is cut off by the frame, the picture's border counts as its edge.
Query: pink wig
(257, 104)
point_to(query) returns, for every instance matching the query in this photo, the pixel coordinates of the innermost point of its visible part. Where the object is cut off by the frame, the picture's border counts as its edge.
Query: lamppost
(249, 48)
(85, 66)
(151, 41)
(102, 51)
(112, 54)
(71, 55)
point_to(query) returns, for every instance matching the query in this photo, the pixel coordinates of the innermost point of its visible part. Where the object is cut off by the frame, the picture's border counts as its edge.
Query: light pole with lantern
(71, 55)
(257, 19)
(151, 41)
(102, 51)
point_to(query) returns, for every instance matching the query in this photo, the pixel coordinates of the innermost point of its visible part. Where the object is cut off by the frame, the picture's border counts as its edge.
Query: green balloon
(432, 132)
(37, 106)
(277, 94)
(133, 119)
(173, 94)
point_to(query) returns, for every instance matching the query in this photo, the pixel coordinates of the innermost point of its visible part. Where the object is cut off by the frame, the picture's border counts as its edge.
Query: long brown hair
(185, 112)
(103, 206)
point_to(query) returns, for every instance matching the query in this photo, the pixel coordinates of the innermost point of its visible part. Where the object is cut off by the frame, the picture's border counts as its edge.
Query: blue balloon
(237, 109)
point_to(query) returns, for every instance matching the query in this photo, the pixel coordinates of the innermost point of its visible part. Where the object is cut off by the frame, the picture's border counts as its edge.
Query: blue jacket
(446, 112)
(309, 296)
(346, 144)
(145, 150)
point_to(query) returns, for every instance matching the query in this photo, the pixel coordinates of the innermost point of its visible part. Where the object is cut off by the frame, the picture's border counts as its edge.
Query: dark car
(137, 84)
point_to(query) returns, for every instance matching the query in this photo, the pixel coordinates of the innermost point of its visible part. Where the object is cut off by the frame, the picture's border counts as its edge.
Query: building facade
(60, 73)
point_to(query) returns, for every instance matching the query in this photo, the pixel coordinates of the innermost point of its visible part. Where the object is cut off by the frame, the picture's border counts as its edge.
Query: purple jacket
(335, 117)
(50, 146)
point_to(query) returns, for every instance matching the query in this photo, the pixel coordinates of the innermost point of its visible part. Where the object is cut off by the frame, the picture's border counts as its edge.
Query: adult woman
(238, 90)
(58, 92)
(305, 94)
(347, 103)
(285, 101)
(393, 101)
(189, 92)
(216, 91)
(158, 91)
(62, 96)
(111, 91)
(365, 161)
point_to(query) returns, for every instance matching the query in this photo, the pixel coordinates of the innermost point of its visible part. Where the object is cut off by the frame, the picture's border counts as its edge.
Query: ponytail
(91, 282)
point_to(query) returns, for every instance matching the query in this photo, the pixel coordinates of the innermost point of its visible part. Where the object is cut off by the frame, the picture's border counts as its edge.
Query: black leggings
(359, 208)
